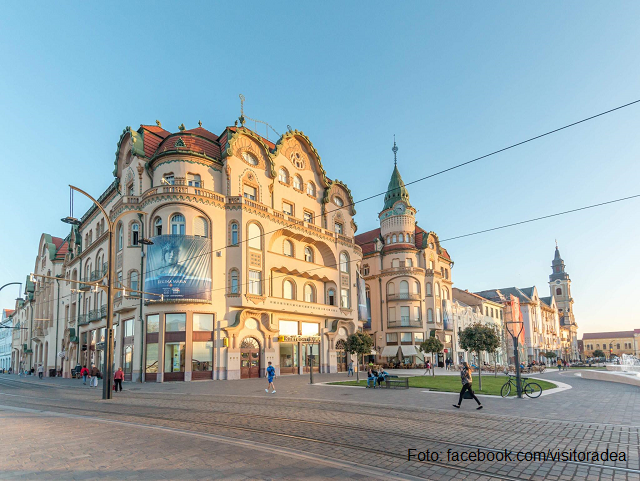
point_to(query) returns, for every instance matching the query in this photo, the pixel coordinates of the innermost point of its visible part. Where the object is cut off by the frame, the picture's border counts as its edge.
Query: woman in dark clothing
(466, 379)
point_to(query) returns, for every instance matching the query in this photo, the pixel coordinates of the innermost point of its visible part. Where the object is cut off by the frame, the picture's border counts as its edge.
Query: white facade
(5, 340)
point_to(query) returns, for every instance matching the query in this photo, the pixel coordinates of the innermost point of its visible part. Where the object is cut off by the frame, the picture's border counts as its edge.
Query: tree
(478, 338)
(598, 353)
(358, 343)
(432, 345)
(550, 355)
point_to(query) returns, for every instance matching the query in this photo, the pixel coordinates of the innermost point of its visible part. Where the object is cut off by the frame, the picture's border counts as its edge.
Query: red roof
(151, 141)
(607, 335)
(192, 142)
(365, 241)
(62, 250)
(8, 312)
(57, 242)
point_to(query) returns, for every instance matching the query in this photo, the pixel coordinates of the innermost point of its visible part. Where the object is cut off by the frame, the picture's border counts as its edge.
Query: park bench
(395, 382)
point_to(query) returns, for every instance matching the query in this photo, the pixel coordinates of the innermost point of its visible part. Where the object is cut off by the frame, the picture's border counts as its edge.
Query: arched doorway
(249, 358)
(341, 356)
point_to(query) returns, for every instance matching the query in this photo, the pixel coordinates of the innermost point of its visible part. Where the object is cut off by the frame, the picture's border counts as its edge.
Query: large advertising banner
(447, 315)
(363, 312)
(179, 267)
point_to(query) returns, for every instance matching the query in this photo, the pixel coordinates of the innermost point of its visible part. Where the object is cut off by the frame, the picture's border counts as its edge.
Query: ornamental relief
(297, 154)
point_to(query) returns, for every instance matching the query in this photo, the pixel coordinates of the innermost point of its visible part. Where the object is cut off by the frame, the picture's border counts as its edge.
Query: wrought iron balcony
(404, 322)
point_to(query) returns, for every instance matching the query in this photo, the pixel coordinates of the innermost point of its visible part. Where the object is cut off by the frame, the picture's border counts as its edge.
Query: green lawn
(490, 384)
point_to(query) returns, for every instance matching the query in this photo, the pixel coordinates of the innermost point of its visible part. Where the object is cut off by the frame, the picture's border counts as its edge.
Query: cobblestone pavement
(358, 429)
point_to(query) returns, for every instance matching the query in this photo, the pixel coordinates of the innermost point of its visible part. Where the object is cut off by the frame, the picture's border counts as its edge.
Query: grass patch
(490, 384)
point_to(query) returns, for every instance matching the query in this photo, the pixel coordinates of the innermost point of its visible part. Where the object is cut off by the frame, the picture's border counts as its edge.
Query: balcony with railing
(83, 319)
(403, 296)
(404, 321)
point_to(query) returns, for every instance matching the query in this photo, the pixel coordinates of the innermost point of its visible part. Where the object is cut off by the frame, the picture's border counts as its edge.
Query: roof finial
(395, 151)
(556, 243)
(200, 123)
(241, 118)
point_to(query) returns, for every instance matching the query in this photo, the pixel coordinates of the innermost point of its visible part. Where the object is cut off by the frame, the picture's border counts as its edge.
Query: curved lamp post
(108, 357)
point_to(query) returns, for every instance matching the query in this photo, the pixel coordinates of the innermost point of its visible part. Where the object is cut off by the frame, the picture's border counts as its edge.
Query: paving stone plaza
(60, 429)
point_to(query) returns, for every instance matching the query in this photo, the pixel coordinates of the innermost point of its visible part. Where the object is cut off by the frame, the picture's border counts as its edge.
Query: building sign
(179, 267)
(363, 311)
(306, 339)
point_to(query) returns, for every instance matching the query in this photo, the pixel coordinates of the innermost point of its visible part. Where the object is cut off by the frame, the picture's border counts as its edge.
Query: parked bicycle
(530, 388)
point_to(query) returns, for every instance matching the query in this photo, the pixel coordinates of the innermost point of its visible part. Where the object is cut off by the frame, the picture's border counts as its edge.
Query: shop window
(405, 337)
(202, 356)
(202, 322)
(151, 364)
(153, 323)
(175, 322)
(418, 338)
(392, 337)
(174, 356)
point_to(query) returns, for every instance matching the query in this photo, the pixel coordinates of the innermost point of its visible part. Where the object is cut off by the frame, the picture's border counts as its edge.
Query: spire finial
(395, 151)
(556, 243)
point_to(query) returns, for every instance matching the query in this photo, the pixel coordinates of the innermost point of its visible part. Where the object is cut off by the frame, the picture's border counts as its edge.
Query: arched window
(234, 283)
(234, 233)
(393, 239)
(404, 287)
(431, 265)
(309, 294)
(158, 226)
(429, 315)
(446, 273)
(254, 236)
(395, 263)
(120, 236)
(283, 176)
(416, 287)
(331, 297)
(391, 288)
(288, 291)
(338, 201)
(401, 238)
(311, 189)
(558, 291)
(297, 182)
(344, 262)
(445, 293)
(177, 224)
(308, 254)
(200, 227)
(437, 290)
(288, 248)
(135, 234)
(250, 158)
(133, 282)
(388, 240)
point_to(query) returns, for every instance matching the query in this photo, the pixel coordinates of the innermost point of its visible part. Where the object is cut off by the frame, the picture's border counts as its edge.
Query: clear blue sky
(452, 81)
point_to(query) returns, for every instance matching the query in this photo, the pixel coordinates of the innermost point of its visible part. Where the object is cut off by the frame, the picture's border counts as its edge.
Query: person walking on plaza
(95, 373)
(467, 380)
(118, 377)
(84, 372)
(559, 365)
(350, 371)
(271, 374)
(40, 371)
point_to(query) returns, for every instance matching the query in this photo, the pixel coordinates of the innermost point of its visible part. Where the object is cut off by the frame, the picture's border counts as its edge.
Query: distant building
(613, 343)
(560, 287)
(6, 323)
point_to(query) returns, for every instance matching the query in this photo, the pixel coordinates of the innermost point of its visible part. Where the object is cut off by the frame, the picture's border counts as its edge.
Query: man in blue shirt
(271, 374)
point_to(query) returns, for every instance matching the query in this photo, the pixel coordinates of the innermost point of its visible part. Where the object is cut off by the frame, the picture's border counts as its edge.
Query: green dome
(396, 190)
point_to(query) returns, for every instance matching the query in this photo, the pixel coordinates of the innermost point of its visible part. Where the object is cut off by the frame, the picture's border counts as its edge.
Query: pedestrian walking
(40, 371)
(95, 374)
(427, 367)
(559, 365)
(350, 371)
(271, 375)
(467, 380)
(84, 372)
(118, 377)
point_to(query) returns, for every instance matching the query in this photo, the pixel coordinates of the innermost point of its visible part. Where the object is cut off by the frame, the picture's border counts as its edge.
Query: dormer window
(169, 179)
(338, 201)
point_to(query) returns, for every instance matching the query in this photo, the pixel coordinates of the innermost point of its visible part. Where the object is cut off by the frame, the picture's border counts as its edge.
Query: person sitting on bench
(371, 378)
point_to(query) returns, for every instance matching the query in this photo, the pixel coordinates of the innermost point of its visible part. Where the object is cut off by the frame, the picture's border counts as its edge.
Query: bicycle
(530, 388)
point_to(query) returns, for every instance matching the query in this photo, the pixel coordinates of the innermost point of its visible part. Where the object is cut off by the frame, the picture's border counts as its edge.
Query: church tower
(398, 217)
(560, 287)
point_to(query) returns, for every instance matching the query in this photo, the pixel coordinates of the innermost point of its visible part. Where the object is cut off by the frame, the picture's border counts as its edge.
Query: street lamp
(515, 337)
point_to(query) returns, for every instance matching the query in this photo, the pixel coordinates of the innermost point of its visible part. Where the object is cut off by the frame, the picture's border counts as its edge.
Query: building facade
(613, 343)
(229, 252)
(408, 278)
(6, 338)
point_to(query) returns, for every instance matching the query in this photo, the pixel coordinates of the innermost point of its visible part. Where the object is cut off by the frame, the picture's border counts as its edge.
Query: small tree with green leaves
(358, 343)
(599, 353)
(478, 338)
(550, 355)
(432, 345)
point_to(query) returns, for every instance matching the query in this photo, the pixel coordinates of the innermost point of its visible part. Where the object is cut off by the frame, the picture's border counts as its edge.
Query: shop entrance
(341, 356)
(249, 358)
(288, 358)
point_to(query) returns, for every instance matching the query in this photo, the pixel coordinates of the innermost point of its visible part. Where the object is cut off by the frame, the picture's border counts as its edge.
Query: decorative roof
(366, 241)
(557, 266)
(396, 190)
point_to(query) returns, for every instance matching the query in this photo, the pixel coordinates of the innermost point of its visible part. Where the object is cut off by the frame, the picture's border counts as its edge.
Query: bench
(397, 383)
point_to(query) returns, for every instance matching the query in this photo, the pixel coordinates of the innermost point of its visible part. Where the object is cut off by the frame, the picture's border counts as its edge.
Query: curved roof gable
(300, 135)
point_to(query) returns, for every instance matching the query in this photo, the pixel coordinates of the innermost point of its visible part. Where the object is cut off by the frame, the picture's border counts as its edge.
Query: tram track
(227, 416)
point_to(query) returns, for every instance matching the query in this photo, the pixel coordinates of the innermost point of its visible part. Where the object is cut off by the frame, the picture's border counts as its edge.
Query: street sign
(306, 339)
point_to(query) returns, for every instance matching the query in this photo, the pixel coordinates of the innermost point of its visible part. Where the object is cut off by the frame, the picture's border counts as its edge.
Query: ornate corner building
(408, 280)
(252, 260)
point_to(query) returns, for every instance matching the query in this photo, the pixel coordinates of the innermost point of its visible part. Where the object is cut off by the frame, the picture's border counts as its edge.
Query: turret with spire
(557, 266)
(397, 215)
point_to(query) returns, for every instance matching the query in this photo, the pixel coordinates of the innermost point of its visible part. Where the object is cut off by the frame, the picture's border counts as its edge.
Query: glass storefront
(202, 322)
(202, 358)
(314, 350)
(151, 366)
(288, 358)
(175, 322)
(174, 357)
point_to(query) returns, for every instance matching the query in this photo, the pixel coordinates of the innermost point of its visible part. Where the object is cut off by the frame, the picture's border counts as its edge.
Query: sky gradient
(451, 81)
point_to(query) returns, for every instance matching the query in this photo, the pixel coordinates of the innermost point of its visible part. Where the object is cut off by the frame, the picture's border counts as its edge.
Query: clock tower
(560, 287)
(397, 218)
